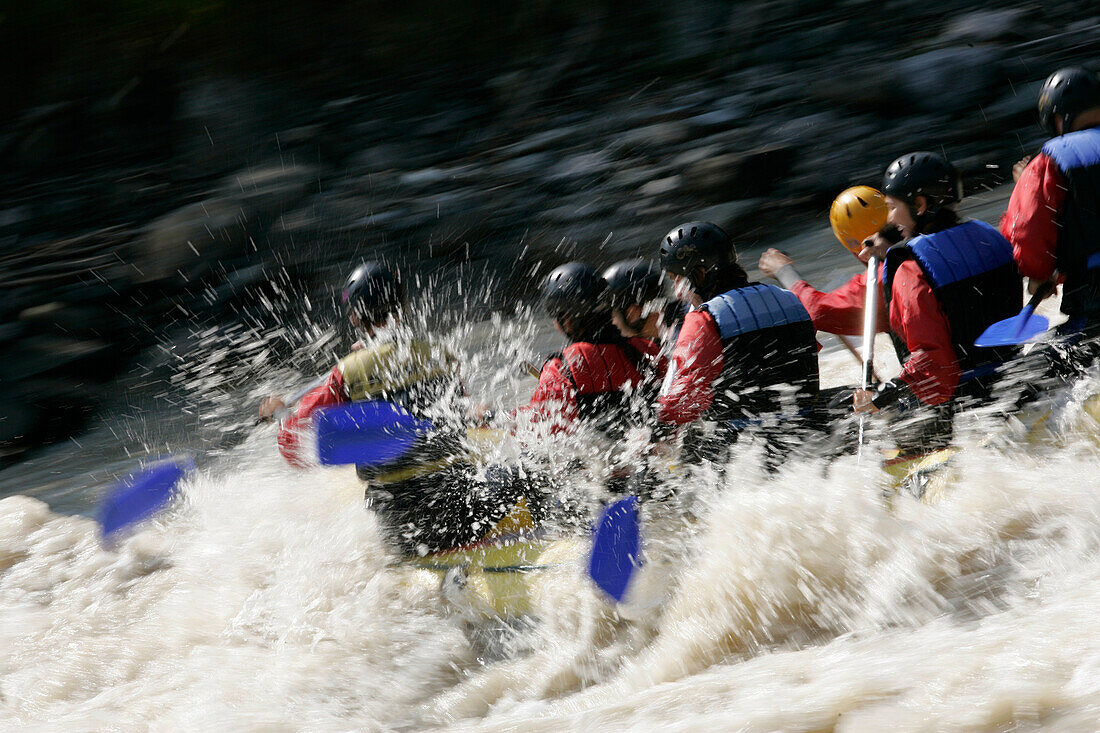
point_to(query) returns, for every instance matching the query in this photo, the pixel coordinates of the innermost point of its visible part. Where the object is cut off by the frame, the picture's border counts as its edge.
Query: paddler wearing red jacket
(855, 216)
(388, 364)
(425, 498)
(642, 307)
(941, 287)
(1053, 215)
(746, 352)
(600, 378)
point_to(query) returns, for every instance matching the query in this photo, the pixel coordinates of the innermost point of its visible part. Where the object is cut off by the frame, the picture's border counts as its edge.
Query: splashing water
(800, 600)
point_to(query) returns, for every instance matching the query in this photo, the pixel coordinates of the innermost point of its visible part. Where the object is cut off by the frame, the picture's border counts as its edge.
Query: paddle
(141, 494)
(870, 326)
(615, 548)
(364, 433)
(1023, 326)
(370, 433)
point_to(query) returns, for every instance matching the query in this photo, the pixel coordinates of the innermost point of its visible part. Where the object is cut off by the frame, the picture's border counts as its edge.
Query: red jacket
(932, 369)
(1031, 221)
(592, 369)
(697, 361)
(841, 310)
(330, 393)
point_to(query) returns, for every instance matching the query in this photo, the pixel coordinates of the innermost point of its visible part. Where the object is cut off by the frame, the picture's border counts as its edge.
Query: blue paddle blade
(1019, 329)
(142, 494)
(366, 433)
(615, 548)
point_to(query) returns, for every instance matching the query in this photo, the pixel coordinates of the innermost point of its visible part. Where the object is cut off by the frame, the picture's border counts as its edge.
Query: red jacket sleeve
(652, 351)
(841, 310)
(932, 369)
(1031, 221)
(555, 398)
(290, 435)
(697, 361)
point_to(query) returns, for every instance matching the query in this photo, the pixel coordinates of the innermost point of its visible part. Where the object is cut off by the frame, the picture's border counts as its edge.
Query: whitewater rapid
(810, 599)
(800, 601)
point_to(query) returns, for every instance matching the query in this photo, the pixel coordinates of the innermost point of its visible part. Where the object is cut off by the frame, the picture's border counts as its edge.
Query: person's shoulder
(1072, 150)
(368, 361)
(697, 323)
(909, 271)
(644, 345)
(984, 231)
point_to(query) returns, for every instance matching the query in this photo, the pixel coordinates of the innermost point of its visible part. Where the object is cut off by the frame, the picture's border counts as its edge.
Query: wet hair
(944, 217)
(726, 278)
(588, 327)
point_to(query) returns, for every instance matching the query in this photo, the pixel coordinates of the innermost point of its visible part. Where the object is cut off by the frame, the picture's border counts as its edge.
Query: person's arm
(1031, 221)
(330, 393)
(652, 351)
(932, 370)
(555, 399)
(697, 360)
(840, 311)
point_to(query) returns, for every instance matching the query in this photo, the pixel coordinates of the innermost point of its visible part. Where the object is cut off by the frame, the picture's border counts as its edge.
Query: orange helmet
(856, 214)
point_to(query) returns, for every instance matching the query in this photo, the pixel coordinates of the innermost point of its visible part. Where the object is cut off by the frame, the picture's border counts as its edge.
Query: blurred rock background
(170, 162)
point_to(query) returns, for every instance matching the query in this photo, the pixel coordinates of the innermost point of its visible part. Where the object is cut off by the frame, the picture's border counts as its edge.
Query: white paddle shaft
(870, 323)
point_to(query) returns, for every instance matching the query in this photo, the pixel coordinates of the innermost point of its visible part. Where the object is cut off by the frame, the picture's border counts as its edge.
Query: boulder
(656, 136)
(950, 80)
(633, 176)
(728, 215)
(545, 140)
(11, 331)
(662, 186)
(269, 190)
(734, 175)
(874, 92)
(424, 178)
(1016, 106)
(580, 165)
(731, 114)
(381, 157)
(183, 245)
(983, 26)
(54, 355)
(524, 165)
(60, 318)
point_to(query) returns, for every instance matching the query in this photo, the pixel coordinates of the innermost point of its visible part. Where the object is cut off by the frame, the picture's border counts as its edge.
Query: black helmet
(575, 290)
(373, 292)
(633, 282)
(1067, 92)
(697, 244)
(923, 174)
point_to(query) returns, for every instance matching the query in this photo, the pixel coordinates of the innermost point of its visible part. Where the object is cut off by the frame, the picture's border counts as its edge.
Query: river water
(801, 600)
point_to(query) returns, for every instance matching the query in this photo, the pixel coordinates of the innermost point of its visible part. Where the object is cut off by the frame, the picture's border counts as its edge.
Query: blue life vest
(768, 340)
(973, 275)
(754, 307)
(1077, 155)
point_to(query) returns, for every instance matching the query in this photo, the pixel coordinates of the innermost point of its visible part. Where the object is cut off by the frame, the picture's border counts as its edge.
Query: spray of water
(812, 598)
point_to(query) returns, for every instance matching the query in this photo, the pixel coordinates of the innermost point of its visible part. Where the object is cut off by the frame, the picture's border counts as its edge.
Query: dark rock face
(185, 190)
(950, 81)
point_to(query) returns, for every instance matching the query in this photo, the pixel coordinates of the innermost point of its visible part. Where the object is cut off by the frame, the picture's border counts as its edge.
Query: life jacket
(415, 375)
(973, 276)
(614, 381)
(1077, 155)
(768, 340)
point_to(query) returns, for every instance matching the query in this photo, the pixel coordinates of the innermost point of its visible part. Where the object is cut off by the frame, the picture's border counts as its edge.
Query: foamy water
(799, 601)
(809, 599)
